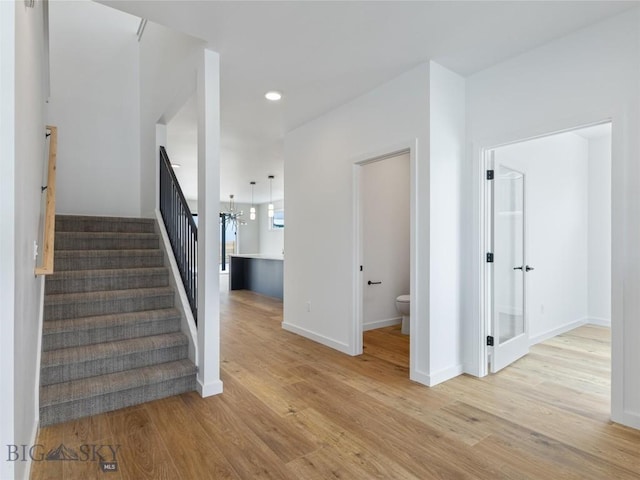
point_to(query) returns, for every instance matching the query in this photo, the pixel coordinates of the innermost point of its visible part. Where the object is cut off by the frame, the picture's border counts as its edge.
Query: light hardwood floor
(294, 409)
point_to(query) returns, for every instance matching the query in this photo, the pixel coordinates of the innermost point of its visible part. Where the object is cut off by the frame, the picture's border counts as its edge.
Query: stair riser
(103, 263)
(55, 341)
(95, 284)
(113, 401)
(82, 372)
(103, 366)
(96, 225)
(64, 242)
(118, 305)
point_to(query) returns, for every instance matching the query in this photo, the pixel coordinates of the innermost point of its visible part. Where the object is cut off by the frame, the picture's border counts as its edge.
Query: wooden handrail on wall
(50, 213)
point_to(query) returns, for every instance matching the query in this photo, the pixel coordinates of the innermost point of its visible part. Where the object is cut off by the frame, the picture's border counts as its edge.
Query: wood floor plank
(249, 456)
(89, 468)
(193, 452)
(419, 447)
(589, 435)
(370, 462)
(49, 437)
(537, 453)
(143, 454)
(273, 395)
(295, 409)
(278, 435)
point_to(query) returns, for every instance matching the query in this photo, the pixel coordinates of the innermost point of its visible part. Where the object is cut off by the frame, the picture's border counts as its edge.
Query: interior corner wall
(168, 70)
(95, 104)
(270, 241)
(29, 160)
(556, 238)
(586, 77)
(320, 265)
(599, 291)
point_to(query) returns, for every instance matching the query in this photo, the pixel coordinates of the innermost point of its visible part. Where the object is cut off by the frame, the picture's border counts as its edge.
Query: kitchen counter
(257, 272)
(258, 255)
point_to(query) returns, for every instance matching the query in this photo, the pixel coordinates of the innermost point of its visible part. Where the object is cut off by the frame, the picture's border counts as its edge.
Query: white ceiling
(322, 54)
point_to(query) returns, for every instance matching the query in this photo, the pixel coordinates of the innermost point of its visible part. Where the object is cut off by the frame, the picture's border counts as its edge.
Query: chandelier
(232, 217)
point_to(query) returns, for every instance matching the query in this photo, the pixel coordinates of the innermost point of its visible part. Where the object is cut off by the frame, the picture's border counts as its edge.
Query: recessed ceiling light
(273, 96)
(176, 165)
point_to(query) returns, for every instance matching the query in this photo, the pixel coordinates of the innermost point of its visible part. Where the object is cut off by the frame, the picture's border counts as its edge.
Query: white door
(509, 326)
(384, 197)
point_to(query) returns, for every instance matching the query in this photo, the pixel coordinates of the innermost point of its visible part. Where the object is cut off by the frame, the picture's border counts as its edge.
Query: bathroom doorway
(385, 253)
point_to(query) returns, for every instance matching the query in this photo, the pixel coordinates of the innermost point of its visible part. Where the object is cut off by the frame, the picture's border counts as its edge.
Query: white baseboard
(433, 379)
(602, 322)
(341, 347)
(557, 331)
(389, 322)
(34, 439)
(209, 389)
(472, 370)
(628, 419)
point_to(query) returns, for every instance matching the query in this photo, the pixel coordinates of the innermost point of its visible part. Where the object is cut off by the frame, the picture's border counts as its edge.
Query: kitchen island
(257, 272)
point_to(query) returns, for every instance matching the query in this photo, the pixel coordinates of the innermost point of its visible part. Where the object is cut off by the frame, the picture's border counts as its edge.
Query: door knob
(373, 283)
(528, 268)
(518, 268)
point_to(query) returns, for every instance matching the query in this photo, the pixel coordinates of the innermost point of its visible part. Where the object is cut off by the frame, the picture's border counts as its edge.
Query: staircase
(111, 335)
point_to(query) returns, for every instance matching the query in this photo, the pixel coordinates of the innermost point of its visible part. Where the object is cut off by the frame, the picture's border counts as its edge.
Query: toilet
(403, 305)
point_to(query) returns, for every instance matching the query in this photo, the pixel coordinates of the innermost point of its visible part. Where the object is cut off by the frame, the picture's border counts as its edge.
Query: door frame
(356, 330)
(482, 153)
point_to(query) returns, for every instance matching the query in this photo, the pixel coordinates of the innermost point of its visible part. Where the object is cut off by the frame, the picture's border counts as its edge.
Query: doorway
(548, 238)
(385, 251)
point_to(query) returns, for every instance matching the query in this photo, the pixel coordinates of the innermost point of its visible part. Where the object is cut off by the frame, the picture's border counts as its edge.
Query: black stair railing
(181, 228)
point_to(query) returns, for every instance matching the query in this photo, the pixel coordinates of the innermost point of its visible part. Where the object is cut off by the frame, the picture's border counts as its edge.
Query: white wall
(386, 238)
(599, 291)
(556, 230)
(95, 105)
(321, 265)
(271, 241)
(583, 78)
(423, 109)
(168, 71)
(448, 270)
(248, 234)
(7, 217)
(182, 148)
(24, 171)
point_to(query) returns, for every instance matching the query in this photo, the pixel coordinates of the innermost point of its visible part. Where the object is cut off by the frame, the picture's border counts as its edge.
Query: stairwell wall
(7, 217)
(95, 105)
(168, 70)
(23, 153)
